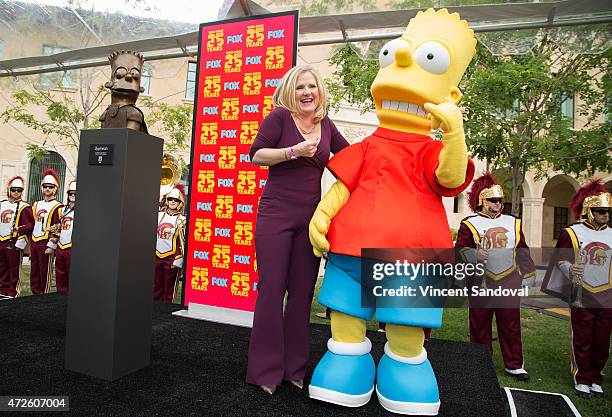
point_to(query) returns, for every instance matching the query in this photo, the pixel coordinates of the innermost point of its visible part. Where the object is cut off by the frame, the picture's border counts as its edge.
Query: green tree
(512, 107)
(64, 118)
(174, 121)
(514, 118)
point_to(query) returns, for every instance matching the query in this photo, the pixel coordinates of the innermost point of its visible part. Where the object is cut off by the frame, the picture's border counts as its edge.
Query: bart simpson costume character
(388, 194)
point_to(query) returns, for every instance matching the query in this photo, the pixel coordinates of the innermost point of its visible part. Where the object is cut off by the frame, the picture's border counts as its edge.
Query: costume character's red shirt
(396, 201)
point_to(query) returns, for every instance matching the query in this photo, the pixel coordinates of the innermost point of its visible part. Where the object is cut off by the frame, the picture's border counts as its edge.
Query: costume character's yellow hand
(329, 206)
(453, 159)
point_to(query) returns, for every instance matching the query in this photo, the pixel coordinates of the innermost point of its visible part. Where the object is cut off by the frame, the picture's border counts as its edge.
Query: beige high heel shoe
(268, 389)
(298, 383)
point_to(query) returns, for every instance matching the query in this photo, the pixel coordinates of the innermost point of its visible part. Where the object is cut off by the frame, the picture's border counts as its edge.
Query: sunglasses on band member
(16, 190)
(173, 199)
(495, 200)
(72, 194)
(600, 211)
(46, 186)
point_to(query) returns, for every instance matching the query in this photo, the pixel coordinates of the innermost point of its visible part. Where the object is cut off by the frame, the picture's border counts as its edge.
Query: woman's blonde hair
(284, 96)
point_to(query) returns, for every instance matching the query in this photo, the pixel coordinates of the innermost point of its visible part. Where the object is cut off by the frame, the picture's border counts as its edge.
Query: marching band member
(63, 239)
(16, 223)
(170, 243)
(502, 248)
(586, 263)
(41, 250)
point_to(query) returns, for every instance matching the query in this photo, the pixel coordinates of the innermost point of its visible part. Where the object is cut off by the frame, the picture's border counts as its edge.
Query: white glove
(177, 263)
(529, 282)
(21, 243)
(52, 245)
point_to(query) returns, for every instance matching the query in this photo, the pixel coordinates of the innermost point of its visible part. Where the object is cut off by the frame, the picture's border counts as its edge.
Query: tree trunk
(518, 177)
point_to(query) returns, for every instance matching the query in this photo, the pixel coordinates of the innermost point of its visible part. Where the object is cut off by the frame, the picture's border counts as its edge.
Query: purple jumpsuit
(280, 340)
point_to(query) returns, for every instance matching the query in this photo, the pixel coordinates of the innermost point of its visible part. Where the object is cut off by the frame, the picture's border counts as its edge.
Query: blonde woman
(295, 141)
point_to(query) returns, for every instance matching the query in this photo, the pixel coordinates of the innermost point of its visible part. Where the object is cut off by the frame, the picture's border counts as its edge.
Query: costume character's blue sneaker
(407, 385)
(345, 375)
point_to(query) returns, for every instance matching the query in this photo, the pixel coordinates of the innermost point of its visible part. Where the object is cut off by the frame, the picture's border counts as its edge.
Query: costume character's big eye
(432, 57)
(387, 53)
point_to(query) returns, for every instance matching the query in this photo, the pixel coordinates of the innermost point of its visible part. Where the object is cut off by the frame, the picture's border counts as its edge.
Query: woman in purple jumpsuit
(295, 141)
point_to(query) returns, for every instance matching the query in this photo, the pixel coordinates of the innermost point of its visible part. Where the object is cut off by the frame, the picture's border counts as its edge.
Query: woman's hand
(307, 148)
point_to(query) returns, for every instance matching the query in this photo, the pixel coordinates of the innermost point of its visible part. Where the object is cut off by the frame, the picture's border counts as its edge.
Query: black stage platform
(198, 369)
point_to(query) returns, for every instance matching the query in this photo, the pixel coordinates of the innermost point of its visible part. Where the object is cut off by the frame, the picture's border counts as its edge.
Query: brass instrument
(171, 174)
(578, 279)
(14, 226)
(55, 229)
(485, 244)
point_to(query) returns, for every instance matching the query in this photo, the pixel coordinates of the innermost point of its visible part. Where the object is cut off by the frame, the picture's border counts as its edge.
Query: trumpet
(55, 229)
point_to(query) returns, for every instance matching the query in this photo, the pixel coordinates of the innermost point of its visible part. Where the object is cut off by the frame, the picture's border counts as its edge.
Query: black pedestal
(108, 326)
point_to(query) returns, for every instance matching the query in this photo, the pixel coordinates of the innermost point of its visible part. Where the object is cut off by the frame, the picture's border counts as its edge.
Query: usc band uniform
(46, 214)
(16, 224)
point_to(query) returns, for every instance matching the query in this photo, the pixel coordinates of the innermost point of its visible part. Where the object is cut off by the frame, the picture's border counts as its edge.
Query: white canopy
(313, 30)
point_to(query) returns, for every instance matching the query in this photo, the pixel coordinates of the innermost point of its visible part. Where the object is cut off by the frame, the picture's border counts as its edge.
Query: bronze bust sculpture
(125, 86)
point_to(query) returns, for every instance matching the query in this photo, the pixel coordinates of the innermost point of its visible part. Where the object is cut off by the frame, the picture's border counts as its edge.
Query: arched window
(50, 160)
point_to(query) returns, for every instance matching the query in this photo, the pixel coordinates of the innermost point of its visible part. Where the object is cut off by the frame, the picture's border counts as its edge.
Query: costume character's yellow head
(424, 65)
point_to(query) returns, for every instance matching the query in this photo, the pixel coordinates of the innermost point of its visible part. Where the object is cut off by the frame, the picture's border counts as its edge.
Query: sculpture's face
(424, 65)
(126, 74)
